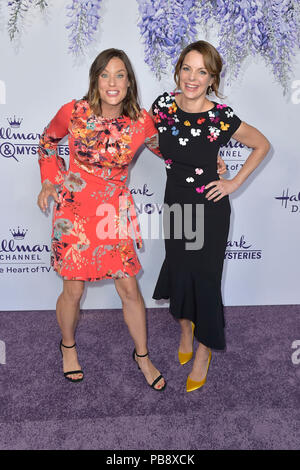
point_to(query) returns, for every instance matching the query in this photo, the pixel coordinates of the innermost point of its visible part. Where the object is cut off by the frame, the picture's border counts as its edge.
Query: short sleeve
(160, 102)
(229, 122)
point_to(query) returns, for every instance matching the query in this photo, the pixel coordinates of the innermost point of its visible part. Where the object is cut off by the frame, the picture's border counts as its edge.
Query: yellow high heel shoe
(186, 357)
(192, 384)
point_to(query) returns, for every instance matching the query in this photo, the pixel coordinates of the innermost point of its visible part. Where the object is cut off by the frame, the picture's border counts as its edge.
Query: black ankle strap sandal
(70, 372)
(157, 379)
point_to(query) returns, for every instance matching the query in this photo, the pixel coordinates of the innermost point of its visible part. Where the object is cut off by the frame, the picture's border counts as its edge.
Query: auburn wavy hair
(212, 61)
(130, 104)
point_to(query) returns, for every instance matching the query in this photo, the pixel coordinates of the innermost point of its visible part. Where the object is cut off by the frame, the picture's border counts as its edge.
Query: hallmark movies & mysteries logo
(15, 143)
(242, 249)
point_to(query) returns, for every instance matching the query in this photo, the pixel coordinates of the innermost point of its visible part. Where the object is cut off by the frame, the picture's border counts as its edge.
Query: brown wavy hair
(130, 105)
(212, 61)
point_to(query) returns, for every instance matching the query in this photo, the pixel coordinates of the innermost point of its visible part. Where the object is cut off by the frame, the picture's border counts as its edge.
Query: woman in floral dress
(191, 130)
(91, 238)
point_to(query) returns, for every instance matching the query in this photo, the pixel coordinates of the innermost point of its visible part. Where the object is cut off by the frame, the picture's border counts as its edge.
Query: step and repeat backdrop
(46, 51)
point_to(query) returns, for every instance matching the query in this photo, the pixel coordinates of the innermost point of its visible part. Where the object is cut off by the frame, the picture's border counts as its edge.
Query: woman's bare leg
(67, 313)
(135, 318)
(186, 339)
(186, 345)
(200, 363)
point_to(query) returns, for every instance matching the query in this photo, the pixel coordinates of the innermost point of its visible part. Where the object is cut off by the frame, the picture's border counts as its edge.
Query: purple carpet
(250, 400)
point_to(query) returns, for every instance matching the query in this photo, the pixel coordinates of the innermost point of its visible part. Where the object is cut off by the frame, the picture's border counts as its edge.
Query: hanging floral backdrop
(266, 28)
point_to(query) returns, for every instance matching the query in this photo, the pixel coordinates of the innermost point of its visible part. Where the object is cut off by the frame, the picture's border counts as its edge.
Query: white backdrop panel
(262, 262)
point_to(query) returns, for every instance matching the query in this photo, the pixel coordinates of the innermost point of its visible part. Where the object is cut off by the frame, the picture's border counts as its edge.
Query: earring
(210, 90)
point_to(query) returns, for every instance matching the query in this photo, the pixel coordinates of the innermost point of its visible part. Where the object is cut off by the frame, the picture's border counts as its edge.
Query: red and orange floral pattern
(92, 193)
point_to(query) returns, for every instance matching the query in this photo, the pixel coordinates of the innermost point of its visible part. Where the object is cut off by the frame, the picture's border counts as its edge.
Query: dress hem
(198, 338)
(161, 298)
(94, 279)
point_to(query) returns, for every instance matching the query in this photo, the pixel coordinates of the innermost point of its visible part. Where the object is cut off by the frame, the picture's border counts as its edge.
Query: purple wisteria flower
(242, 31)
(17, 11)
(41, 3)
(269, 28)
(283, 24)
(166, 26)
(83, 24)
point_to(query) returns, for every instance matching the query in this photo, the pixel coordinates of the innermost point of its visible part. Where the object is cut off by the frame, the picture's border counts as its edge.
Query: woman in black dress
(191, 129)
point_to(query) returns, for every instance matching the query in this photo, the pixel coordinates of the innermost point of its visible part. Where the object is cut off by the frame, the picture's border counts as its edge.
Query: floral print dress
(191, 277)
(92, 237)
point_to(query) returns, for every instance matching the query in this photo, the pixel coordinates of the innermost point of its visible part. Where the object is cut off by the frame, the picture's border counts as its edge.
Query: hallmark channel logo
(18, 256)
(16, 144)
(234, 155)
(242, 249)
(289, 201)
(18, 234)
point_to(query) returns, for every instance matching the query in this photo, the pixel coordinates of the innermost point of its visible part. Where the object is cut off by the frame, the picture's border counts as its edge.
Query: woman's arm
(253, 138)
(221, 167)
(52, 166)
(151, 134)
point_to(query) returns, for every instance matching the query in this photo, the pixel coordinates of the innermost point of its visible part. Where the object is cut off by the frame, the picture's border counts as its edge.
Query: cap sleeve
(161, 102)
(229, 122)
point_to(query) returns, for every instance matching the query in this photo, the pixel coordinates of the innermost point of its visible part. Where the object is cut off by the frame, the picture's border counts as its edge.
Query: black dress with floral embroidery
(190, 275)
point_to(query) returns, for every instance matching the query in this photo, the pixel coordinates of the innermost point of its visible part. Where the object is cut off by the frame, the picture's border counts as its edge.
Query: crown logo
(14, 122)
(18, 234)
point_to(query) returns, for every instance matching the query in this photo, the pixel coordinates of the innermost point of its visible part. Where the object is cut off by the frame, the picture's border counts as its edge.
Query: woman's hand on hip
(220, 188)
(48, 189)
(221, 166)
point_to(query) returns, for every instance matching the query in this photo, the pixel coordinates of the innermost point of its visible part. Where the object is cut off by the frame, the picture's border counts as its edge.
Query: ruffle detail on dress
(199, 297)
(109, 262)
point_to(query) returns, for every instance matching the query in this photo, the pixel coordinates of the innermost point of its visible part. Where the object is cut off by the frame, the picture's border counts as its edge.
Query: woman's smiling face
(194, 78)
(113, 85)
